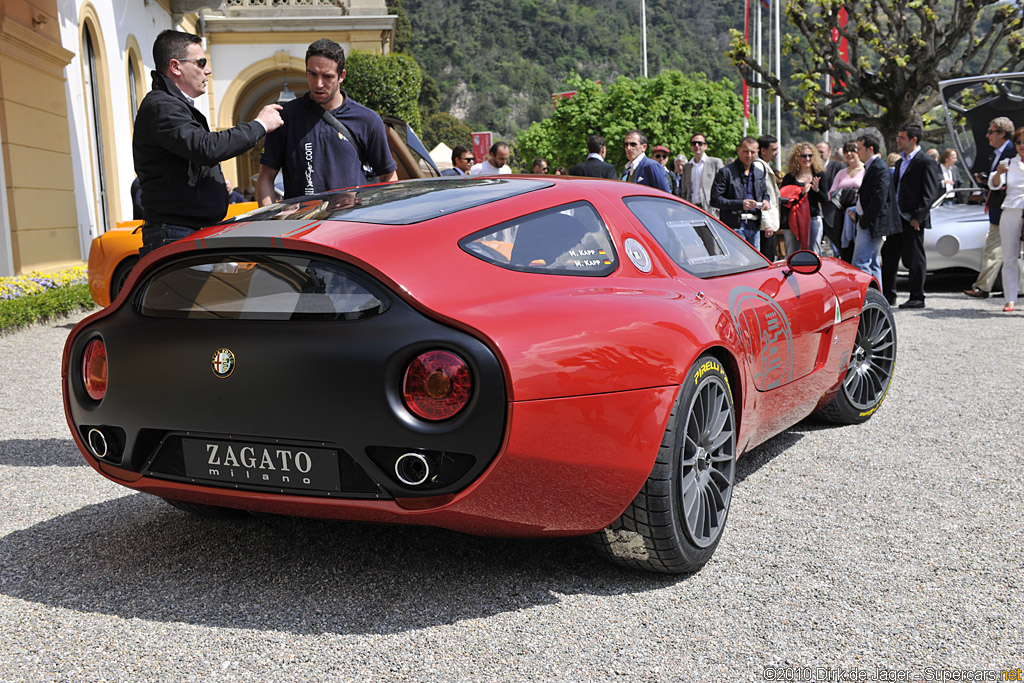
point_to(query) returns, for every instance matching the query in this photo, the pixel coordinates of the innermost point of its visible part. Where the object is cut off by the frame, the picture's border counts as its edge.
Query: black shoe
(976, 293)
(891, 298)
(912, 303)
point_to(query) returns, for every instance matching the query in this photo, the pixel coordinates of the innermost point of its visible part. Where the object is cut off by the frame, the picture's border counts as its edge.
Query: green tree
(898, 53)
(443, 127)
(389, 84)
(668, 109)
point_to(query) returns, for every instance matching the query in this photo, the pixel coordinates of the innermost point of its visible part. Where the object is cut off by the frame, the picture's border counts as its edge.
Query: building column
(40, 221)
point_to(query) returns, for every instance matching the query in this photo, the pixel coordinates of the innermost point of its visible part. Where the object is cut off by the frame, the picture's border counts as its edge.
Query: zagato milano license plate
(259, 464)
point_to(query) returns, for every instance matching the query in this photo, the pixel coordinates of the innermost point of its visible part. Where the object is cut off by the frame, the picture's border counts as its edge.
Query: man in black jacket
(918, 184)
(177, 158)
(594, 166)
(740, 193)
(876, 213)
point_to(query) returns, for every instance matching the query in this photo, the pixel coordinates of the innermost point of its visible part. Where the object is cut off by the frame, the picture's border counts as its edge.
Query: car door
(783, 319)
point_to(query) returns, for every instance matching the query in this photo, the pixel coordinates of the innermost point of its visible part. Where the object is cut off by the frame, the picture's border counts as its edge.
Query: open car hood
(971, 103)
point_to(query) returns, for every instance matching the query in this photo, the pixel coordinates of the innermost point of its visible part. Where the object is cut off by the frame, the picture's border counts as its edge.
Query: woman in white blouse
(1013, 211)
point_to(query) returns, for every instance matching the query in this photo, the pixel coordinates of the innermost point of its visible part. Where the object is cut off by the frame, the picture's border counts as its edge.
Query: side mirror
(804, 262)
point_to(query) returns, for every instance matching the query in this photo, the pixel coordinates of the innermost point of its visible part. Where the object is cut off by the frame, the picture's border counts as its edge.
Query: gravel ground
(895, 545)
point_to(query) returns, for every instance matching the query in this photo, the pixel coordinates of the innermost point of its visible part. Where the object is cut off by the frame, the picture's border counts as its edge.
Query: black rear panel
(294, 386)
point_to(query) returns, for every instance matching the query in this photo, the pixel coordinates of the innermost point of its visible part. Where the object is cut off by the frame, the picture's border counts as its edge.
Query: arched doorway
(255, 87)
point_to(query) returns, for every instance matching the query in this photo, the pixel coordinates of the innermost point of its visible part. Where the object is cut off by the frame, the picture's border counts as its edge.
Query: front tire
(871, 366)
(676, 521)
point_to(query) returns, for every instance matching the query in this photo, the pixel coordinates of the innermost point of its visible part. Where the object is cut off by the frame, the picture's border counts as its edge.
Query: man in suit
(1000, 130)
(741, 194)
(831, 219)
(918, 184)
(876, 212)
(699, 174)
(594, 166)
(640, 168)
(462, 161)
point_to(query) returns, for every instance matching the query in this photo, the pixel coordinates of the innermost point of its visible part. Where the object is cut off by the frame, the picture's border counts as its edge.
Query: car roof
(404, 203)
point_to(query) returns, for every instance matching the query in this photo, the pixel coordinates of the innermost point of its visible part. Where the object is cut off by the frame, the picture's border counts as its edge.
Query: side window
(566, 240)
(700, 245)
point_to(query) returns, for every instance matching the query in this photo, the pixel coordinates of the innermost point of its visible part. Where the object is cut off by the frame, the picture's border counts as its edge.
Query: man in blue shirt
(311, 154)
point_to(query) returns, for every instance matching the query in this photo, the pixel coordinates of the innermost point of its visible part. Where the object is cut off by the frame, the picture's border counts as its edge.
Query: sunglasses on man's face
(698, 143)
(469, 160)
(661, 156)
(200, 61)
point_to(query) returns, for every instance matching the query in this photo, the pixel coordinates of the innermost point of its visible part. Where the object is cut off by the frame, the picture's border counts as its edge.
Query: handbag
(346, 134)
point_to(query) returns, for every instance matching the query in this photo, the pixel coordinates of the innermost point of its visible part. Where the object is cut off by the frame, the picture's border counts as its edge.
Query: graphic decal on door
(765, 330)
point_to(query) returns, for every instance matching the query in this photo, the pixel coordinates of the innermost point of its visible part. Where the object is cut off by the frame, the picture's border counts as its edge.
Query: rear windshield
(410, 201)
(255, 286)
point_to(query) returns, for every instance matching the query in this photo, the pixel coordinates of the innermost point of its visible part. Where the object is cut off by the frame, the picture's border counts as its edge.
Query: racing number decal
(765, 330)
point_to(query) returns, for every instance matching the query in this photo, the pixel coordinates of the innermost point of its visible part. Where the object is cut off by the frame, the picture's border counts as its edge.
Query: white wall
(118, 19)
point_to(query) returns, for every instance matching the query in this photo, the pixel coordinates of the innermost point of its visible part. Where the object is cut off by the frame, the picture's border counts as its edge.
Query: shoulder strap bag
(346, 134)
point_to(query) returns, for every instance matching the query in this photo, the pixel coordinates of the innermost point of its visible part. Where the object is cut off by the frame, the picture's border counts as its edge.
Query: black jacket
(177, 158)
(919, 187)
(594, 168)
(727, 192)
(994, 202)
(878, 200)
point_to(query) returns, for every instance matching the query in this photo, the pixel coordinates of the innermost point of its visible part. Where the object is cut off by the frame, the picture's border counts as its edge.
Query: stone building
(72, 73)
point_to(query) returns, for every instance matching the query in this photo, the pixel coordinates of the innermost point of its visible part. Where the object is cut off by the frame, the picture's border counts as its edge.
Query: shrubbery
(26, 299)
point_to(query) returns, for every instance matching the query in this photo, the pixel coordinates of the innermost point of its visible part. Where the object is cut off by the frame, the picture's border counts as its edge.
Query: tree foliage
(668, 109)
(898, 53)
(443, 127)
(497, 63)
(388, 84)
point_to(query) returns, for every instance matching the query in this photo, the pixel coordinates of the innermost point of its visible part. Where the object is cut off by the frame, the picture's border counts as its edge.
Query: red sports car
(507, 356)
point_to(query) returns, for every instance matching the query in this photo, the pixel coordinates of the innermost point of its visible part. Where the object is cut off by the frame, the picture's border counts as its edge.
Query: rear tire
(676, 521)
(871, 366)
(208, 511)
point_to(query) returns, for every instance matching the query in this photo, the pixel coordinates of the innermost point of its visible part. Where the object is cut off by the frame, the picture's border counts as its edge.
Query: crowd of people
(869, 211)
(862, 209)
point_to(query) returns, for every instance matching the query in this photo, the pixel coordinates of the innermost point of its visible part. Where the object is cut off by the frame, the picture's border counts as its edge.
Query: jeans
(865, 253)
(156, 235)
(753, 236)
(817, 229)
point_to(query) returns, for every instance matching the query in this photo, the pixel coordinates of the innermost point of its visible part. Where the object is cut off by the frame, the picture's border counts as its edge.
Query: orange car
(113, 254)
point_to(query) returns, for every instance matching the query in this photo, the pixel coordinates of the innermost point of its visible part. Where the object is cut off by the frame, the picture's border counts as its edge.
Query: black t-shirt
(312, 155)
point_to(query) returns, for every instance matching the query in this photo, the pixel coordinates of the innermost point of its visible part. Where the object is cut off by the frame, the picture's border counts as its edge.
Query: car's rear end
(281, 372)
(285, 365)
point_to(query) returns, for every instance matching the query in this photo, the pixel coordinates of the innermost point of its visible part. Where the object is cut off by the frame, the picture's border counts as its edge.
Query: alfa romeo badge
(223, 362)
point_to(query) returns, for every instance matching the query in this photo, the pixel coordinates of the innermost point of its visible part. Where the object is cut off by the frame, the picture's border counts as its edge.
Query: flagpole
(778, 74)
(643, 20)
(746, 88)
(757, 76)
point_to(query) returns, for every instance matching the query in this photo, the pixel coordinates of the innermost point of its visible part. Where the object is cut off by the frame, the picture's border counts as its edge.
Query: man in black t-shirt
(312, 155)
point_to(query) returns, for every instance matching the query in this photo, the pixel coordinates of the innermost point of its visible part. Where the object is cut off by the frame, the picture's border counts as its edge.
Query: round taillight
(94, 369)
(437, 385)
